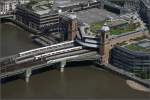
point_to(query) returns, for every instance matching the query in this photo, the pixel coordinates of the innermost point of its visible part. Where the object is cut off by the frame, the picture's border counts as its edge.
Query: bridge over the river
(7, 16)
(45, 56)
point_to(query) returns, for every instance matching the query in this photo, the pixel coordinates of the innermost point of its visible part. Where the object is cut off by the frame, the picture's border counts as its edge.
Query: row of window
(119, 59)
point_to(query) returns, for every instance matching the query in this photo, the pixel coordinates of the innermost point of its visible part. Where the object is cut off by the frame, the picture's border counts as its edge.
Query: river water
(78, 82)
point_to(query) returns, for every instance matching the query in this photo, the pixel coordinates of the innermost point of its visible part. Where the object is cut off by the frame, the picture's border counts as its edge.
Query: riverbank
(43, 40)
(11, 23)
(21, 25)
(137, 86)
(37, 41)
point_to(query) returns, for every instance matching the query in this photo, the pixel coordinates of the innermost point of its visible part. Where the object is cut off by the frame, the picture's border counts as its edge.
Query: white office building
(7, 6)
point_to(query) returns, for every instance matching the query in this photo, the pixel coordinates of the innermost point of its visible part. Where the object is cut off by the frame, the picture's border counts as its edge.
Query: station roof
(94, 15)
(43, 6)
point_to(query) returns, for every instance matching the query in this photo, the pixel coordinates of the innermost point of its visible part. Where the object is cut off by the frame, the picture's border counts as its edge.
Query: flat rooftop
(45, 6)
(113, 31)
(58, 3)
(140, 46)
(40, 8)
(94, 15)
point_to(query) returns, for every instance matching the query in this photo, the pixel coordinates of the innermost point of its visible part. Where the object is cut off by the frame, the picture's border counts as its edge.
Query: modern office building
(133, 57)
(40, 16)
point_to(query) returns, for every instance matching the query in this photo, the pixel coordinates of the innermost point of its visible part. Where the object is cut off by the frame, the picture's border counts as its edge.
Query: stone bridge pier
(28, 73)
(62, 65)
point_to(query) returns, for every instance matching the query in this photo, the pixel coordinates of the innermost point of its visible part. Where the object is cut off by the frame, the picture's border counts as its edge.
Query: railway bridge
(6, 16)
(27, 61)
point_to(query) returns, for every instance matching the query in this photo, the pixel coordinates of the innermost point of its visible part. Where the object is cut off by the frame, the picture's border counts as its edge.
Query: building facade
(140, 6)
(8, 6)
(43, 17)
(39, 17)
(135, 62)
(69, 26)
(144, 11)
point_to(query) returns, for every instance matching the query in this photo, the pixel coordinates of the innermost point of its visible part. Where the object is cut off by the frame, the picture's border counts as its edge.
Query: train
(57, 52)
(39, 57)
(35, 51)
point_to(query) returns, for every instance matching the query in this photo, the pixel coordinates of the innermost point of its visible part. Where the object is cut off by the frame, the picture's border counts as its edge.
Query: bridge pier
(14, 17)
(102, 4)
(62, 65)
(27, 75)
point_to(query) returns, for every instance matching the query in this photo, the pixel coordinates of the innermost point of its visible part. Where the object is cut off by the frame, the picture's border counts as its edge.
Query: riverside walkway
(127, 74)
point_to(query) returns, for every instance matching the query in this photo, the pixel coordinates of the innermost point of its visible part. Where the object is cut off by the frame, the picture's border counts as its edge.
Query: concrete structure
(39, 16)
(79, 5)
(68, 26)
(133, 5)
(115, 8)
(140, 6)
(27, 61)
(72, 27)
(94, 15)
(145, 11)
(91, 39)
(28, 73)
(62, 65)
(44, 17)
(104, 43)
(137, 62)
(8, 6)
(129, 60)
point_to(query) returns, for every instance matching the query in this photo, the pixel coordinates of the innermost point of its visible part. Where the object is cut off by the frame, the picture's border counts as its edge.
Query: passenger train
(34, 51)
(57, 52)
(38, 57)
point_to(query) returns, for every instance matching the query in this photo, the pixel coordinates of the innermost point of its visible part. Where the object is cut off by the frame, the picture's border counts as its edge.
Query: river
(77, 82)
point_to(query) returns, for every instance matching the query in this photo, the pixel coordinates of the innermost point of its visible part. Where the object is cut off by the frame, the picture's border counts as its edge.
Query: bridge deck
(40, 56)
(20, 68)
(6, 16)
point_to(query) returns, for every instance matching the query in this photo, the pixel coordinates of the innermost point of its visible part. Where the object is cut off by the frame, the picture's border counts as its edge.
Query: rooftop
(120, 30)
(117, 27)
(140, 46)
(40, 7)
(94, 15)
(46, 6)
